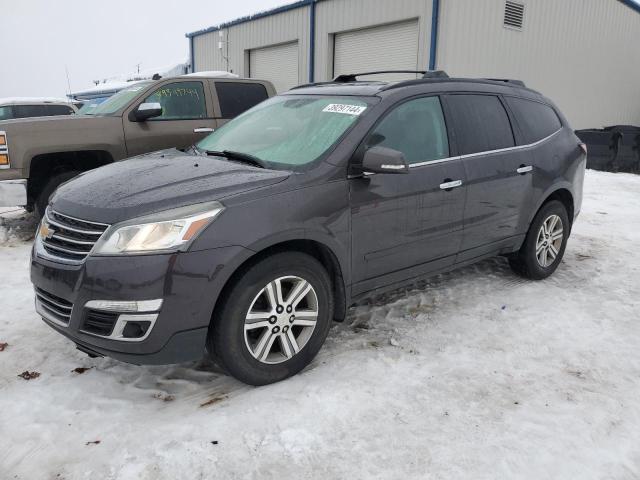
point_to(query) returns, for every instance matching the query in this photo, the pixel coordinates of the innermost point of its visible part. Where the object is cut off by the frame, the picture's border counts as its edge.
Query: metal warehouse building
(584, 54)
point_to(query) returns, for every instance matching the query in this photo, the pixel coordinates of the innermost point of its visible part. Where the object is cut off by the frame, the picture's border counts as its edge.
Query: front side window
(289, 131)
(416, 128)
(481, 123)
(180, 101)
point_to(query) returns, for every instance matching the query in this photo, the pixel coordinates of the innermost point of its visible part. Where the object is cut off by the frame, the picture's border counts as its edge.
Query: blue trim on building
(248, 18)
(631, 4)
(433, 47)
(191, 55)
(312, 41)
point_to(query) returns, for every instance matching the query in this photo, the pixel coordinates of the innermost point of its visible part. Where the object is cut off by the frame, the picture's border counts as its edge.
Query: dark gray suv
(251, 242)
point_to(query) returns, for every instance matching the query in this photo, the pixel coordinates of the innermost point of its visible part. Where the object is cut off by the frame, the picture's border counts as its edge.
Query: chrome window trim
(487, 152)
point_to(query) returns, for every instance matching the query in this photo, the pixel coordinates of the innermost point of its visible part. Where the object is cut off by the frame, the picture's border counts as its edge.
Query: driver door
(406, 225)
(187, 117)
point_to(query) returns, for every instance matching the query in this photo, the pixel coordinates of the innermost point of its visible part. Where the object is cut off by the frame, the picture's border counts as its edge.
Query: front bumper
(13, 193)
(188, 284)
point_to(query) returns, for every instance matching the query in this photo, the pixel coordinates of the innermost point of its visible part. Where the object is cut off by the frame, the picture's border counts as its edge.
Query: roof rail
(519, 83)
(353, 77)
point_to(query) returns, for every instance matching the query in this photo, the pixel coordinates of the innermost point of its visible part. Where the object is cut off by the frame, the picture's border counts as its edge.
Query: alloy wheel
(281, 319)
(549, 240)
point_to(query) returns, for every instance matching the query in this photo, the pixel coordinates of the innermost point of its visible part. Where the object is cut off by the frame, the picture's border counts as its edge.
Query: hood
(61, 122)
(156, 182)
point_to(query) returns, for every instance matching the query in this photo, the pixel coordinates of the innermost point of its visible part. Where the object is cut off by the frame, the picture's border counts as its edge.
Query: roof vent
(513, 15)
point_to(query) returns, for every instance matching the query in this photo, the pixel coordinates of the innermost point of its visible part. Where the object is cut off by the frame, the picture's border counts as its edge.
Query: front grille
(56, 307)
(99, 323)
(70, 239)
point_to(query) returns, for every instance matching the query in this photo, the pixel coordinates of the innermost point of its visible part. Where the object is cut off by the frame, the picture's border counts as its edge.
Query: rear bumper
(13, 193)
(187, 283)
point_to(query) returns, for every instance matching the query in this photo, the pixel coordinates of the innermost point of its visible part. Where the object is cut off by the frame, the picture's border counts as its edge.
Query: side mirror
(146, 111)
(384, 160)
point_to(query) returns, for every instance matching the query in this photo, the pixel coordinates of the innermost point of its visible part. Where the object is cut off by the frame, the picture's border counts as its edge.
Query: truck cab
(37, 155)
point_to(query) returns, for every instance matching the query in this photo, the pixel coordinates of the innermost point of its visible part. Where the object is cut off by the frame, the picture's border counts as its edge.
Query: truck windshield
(117, 101)
(289, 131)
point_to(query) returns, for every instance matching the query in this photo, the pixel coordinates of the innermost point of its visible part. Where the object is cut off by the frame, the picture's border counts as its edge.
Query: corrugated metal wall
(583, 54)
(335, 16)
(285, 27)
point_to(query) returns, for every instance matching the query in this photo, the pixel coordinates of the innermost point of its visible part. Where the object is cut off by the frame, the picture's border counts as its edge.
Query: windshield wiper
(237, 156)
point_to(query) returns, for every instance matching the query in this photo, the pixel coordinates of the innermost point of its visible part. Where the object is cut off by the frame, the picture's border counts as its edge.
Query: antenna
(68, 82)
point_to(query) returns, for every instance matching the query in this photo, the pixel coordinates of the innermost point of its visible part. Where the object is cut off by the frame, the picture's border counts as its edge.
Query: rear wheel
(54, 182)
(273, 320)
(544, 244)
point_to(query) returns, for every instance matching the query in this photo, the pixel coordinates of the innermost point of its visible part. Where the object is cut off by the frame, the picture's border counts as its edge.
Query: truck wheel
(273, 320)
(544, 244)
(54, 182)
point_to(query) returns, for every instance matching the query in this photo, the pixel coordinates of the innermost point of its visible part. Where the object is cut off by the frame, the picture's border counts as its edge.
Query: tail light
(583, 146)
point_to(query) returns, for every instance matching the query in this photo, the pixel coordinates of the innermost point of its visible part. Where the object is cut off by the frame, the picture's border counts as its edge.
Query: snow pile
(16, 226)
(477, 374)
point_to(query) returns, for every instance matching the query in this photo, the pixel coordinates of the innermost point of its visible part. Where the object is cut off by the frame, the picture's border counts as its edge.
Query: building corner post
(312, 40)
(433, 47)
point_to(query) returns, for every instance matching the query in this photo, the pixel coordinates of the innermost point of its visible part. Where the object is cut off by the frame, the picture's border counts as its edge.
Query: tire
(54, 182)
(240, 349)
(527, 262)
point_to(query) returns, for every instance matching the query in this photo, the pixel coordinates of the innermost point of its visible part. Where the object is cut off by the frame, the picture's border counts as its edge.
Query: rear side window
(416, 128)
(26, 111)
(236, 97)
(536, 120)
(6, 112)
(481, 123)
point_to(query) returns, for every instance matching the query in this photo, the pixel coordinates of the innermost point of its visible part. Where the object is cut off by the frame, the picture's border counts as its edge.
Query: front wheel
(273, 320)
(544, 245)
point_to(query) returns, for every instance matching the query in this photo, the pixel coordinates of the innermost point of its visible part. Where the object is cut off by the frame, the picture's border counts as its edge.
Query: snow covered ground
(478, 374)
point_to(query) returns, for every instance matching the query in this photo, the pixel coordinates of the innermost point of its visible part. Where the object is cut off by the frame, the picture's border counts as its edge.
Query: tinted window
(481, 123)
(180, 101)
(536, 120)
(26, 111)
(6, 112)
(58, 110)
(415, 128)
(236, 98)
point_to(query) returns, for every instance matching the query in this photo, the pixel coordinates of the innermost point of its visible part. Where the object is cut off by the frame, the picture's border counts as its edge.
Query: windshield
(117, 101)
(288, 131)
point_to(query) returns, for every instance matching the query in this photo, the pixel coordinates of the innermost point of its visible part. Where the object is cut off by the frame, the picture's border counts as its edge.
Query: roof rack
(519, 83)
(353, 77)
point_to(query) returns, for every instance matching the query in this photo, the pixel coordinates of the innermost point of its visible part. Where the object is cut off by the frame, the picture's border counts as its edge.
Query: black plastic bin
(613, 149)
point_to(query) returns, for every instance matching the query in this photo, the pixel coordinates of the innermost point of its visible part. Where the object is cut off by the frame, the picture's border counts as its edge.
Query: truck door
(187, 117)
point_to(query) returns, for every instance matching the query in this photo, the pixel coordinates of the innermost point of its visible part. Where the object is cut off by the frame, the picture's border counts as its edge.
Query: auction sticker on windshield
(346, 109)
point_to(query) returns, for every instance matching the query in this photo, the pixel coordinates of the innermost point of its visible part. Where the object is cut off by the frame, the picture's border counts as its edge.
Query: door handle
(449, 184)
(203, 130)
(524, 169)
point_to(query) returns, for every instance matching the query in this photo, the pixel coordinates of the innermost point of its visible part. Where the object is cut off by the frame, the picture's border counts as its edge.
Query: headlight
(167, 231)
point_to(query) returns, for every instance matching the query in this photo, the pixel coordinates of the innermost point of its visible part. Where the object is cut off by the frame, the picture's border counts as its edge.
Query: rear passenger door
(499, 181)
(187, 117)
(410, 224)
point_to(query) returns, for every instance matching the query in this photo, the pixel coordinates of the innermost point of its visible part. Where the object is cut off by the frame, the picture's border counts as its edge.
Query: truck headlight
(167, 231)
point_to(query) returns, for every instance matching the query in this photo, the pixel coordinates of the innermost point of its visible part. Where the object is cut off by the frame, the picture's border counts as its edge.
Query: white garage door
(388, 47)
(278, 64)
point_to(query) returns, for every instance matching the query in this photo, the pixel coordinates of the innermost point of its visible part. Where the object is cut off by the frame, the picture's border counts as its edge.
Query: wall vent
(513, 15)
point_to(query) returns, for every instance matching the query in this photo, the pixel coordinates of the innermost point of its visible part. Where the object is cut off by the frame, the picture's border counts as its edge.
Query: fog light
(135, 329)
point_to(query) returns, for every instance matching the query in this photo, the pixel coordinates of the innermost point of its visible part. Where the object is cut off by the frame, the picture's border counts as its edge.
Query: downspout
(435, 14)
(191, 55)
(312, 41)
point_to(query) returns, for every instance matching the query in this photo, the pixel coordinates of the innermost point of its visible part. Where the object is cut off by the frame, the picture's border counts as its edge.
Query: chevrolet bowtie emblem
(46, 231)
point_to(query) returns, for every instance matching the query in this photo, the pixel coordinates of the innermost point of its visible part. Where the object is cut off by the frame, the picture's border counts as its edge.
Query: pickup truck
(39, 154)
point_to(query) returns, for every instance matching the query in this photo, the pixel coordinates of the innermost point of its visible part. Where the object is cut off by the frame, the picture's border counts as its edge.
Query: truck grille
(53, 306)
(70, 239)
